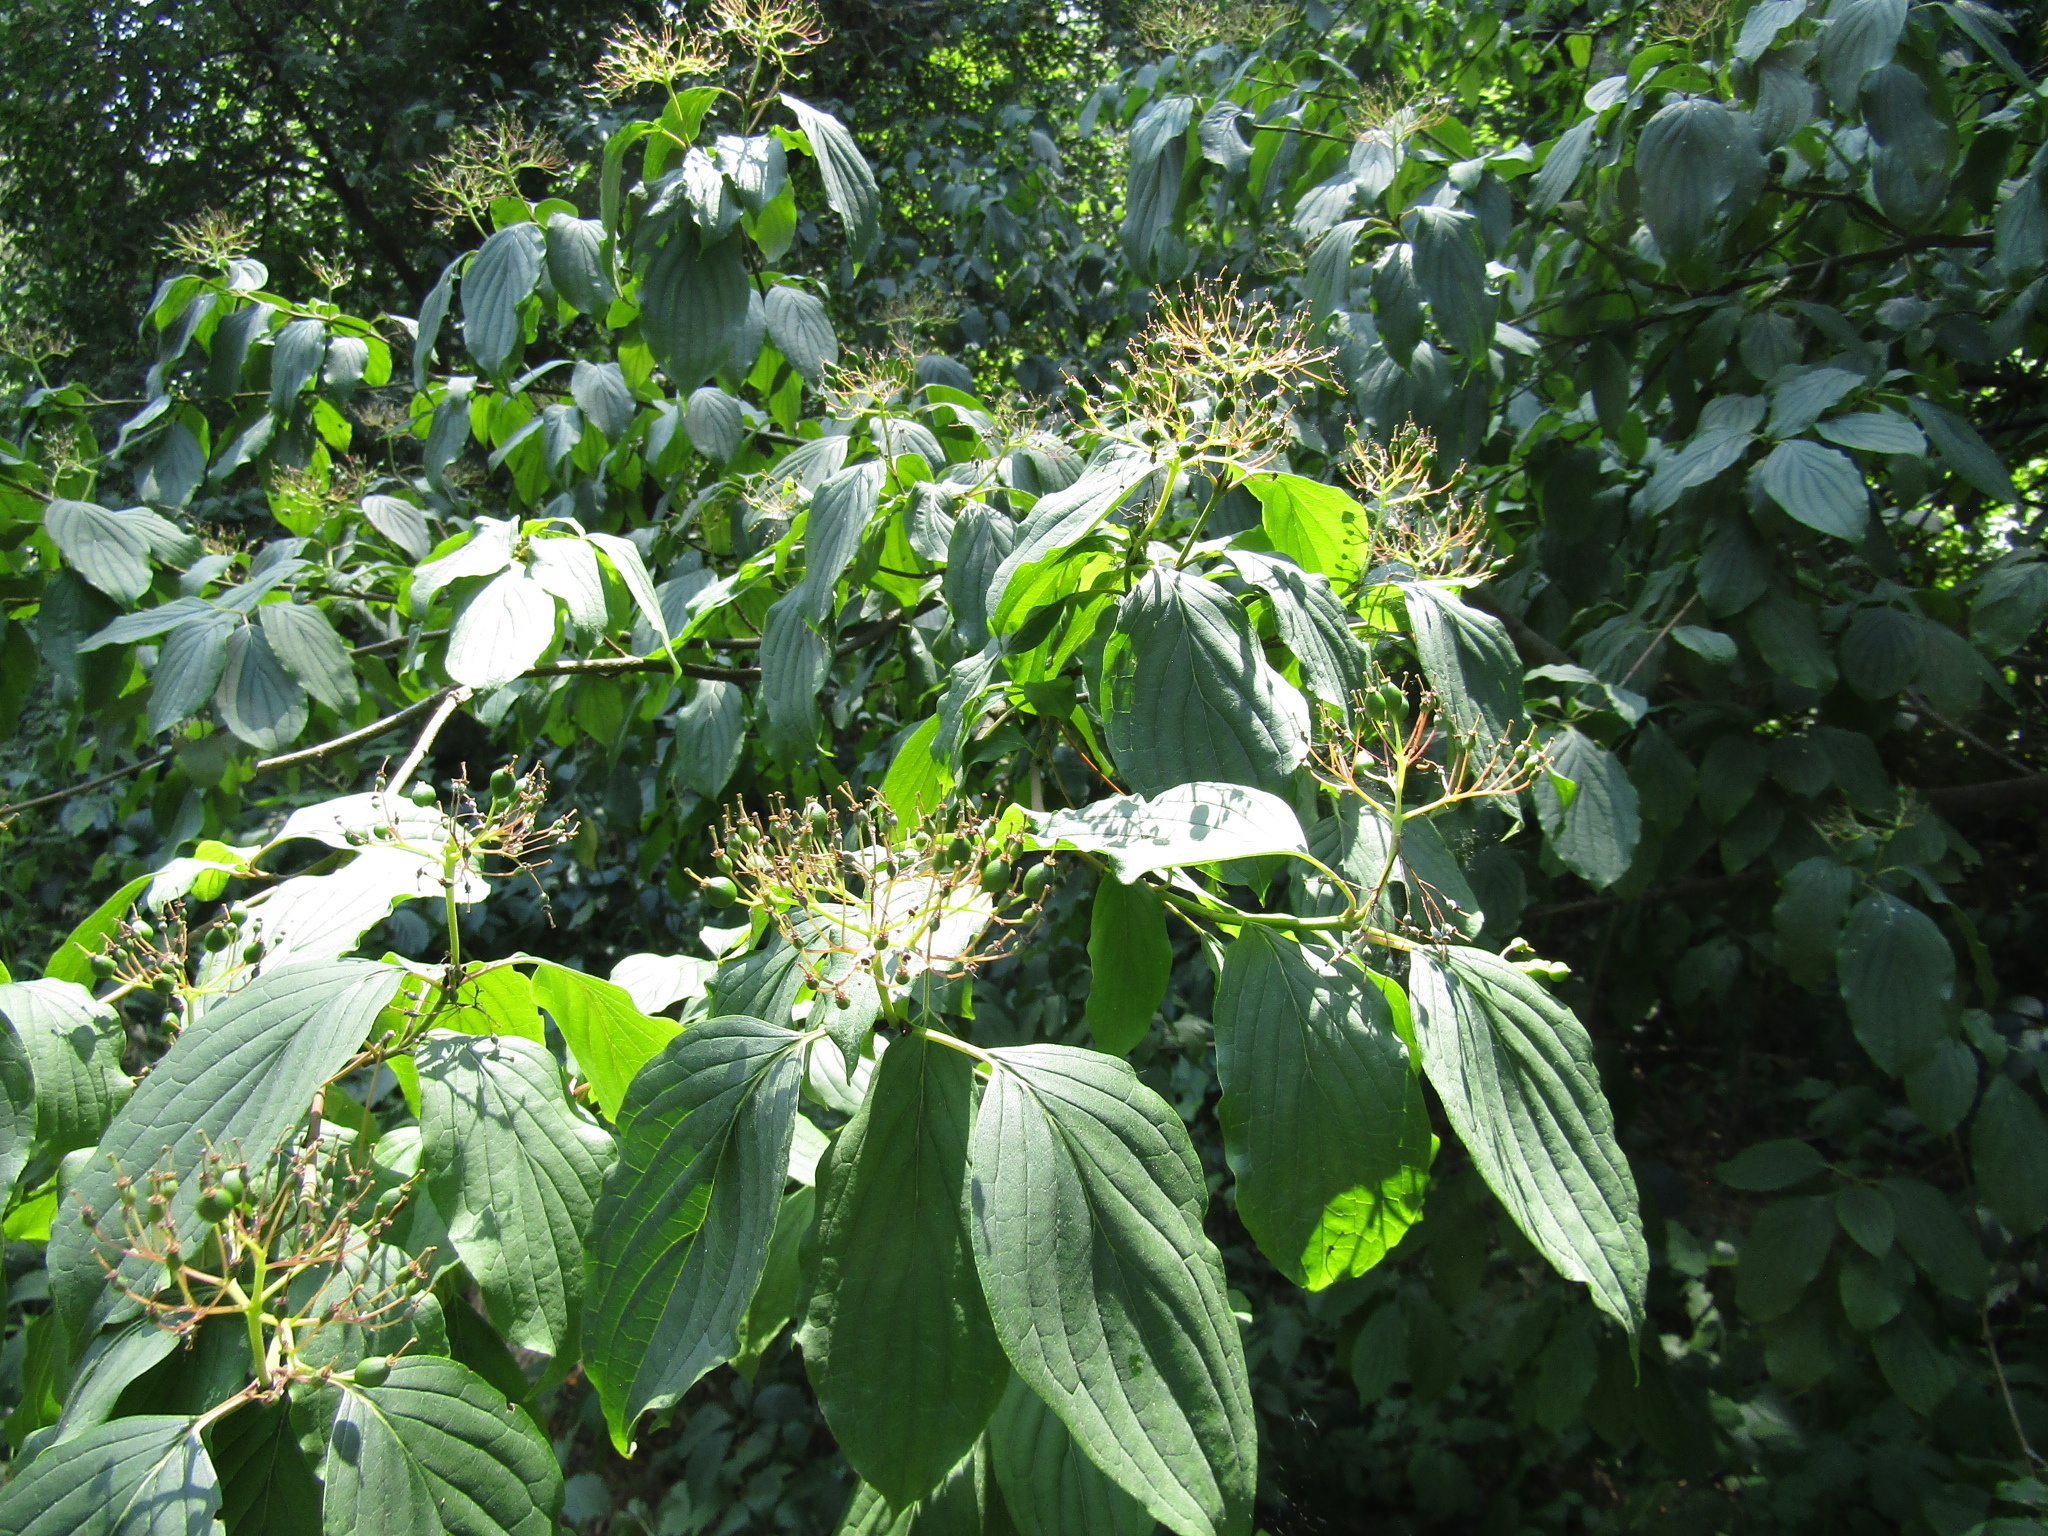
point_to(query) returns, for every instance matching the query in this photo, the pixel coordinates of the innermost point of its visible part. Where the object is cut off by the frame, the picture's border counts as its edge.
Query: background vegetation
(1674, 374)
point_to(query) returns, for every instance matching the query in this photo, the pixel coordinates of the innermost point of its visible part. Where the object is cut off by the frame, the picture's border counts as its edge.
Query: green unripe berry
(995, 877)
(167, 1186)
(215, 1206)
(959, 852)
(233, 1185)
(238, 913)
(164, 984)
(253, 951)
(423, 795)
(373, 1371)
(144, 933)
(1037, 880)
(103, 966)
(720, 892)
(217, 939)
(503, 785)
(820, 819)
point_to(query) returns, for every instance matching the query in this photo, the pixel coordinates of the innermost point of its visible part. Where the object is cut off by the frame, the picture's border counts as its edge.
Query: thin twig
(1998, 1369)
(1920, 702)
(79, 789)
(1658, 640)
(353, 738)
(450, 702)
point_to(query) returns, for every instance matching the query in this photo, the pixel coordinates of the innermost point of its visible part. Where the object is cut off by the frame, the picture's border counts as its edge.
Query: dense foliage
(1350, 826)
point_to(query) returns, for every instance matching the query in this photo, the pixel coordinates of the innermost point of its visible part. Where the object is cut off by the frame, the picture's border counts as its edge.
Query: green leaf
(1086, 1199)
(693, 306)
(1130, 961)
(798, 326)
(602, 394)
(967, 1503)
(611, 1039)
(499, 278)
(1323, 1116)
(1059, 521)
(680, 1237)
(1937, 1238)
(1797, 400)
(142, 1476)
(1379, 1355)
(1914, 1368)
(436, 1449)
(1859, 37)
(1942, 1088)
(1812, 906)
(111, 550)
(311, 652)
(1959, 443)
(710, 735)
(1452, 271)
(1049, 1487)
(502, 630)
(1695, 161)
(1701, 460)
(1772, 1165)
(795, 661)
(782, 1276)
(1190, 695)
(576, 262)
(514, 1172)
(296, 354)
(917, 782)
(849, 184)
(1514, 1069)
(1158, 157)
(1397, 303)
(1470, 662)
(1313, 625)
(1190, 824)
(1867, 1217)
(433, 311)
(259, 700)
(1782, 1255)
(1596, 832)
(2011, 603)
(241, 1075)
(1319, 526)
(267, 1486)
(1817, 486)
(73, 959)
(1327, 281)
(1898, 977)
(18, 1102)
(1875, 432)
(1788, 637)
(73, 1045)
(898, 1343)
(2009, 1151)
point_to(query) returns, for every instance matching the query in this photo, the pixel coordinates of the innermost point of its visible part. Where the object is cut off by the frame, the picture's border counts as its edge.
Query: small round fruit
(720, 892)
(373, 1371)
(995, 877)
(234, 1185)
(238, 913)
(960, 852)
(503, 785)
(217, 939)
(1037, 880)
(103, 966)
(164, 984)
(167, 1186)
(253, 951)
(820, 819)
(144, 933)
(423, 795)
(215, 1206)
